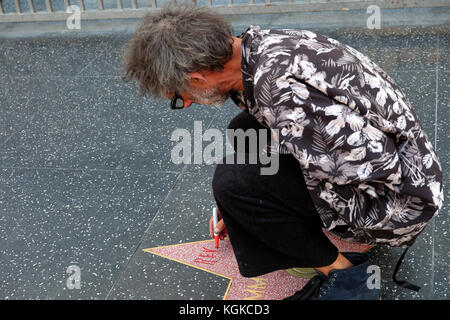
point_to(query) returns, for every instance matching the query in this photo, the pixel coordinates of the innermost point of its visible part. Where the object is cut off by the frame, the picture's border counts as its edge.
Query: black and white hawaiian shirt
(367, 161)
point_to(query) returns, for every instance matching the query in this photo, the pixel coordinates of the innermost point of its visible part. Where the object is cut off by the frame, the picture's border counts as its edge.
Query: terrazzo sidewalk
(86, 176)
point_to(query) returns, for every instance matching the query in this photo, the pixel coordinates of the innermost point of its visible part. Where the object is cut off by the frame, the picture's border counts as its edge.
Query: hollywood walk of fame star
(222, 262)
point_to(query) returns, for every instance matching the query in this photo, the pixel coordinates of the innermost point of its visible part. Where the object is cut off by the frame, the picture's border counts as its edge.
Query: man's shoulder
(269, 44)
(258, 31)
(262, 35)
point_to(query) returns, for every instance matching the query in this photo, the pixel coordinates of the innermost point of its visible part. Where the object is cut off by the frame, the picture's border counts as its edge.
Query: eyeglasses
(177, 102)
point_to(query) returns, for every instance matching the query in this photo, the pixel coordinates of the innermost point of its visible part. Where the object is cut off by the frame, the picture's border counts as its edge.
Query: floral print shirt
(367, 161)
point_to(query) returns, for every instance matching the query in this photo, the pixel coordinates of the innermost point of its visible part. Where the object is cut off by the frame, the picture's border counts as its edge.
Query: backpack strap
(402, 283)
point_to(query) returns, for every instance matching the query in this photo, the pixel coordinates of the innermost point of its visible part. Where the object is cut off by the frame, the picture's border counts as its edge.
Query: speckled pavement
(86, 177)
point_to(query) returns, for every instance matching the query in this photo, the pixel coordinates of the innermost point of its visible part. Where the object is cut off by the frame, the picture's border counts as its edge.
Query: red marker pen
(215, 219)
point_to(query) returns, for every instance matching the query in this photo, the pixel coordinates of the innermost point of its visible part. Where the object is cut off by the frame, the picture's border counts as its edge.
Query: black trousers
(271, 220)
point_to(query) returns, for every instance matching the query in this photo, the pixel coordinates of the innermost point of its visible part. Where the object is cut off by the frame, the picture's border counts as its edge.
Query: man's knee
(249, 136)
(230, 177)
(222, 181)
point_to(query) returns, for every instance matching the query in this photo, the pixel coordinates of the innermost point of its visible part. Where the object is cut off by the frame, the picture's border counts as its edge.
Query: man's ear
(197, 77)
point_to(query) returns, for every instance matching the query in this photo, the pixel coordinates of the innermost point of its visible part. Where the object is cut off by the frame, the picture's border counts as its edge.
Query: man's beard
(209, 96)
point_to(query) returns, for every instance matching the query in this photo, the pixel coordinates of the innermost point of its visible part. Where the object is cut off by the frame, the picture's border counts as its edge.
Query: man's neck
(232, 74)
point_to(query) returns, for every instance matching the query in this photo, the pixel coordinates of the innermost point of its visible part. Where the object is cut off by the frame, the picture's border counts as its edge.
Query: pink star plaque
(221, 261)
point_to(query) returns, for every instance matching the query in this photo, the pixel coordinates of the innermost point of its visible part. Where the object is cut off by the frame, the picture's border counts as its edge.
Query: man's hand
(220, 227)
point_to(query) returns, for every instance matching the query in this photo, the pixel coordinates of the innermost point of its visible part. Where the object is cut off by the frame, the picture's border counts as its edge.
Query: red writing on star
(206, 256)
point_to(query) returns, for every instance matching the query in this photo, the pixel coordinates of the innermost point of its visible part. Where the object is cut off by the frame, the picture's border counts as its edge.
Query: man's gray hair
(172, 43)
